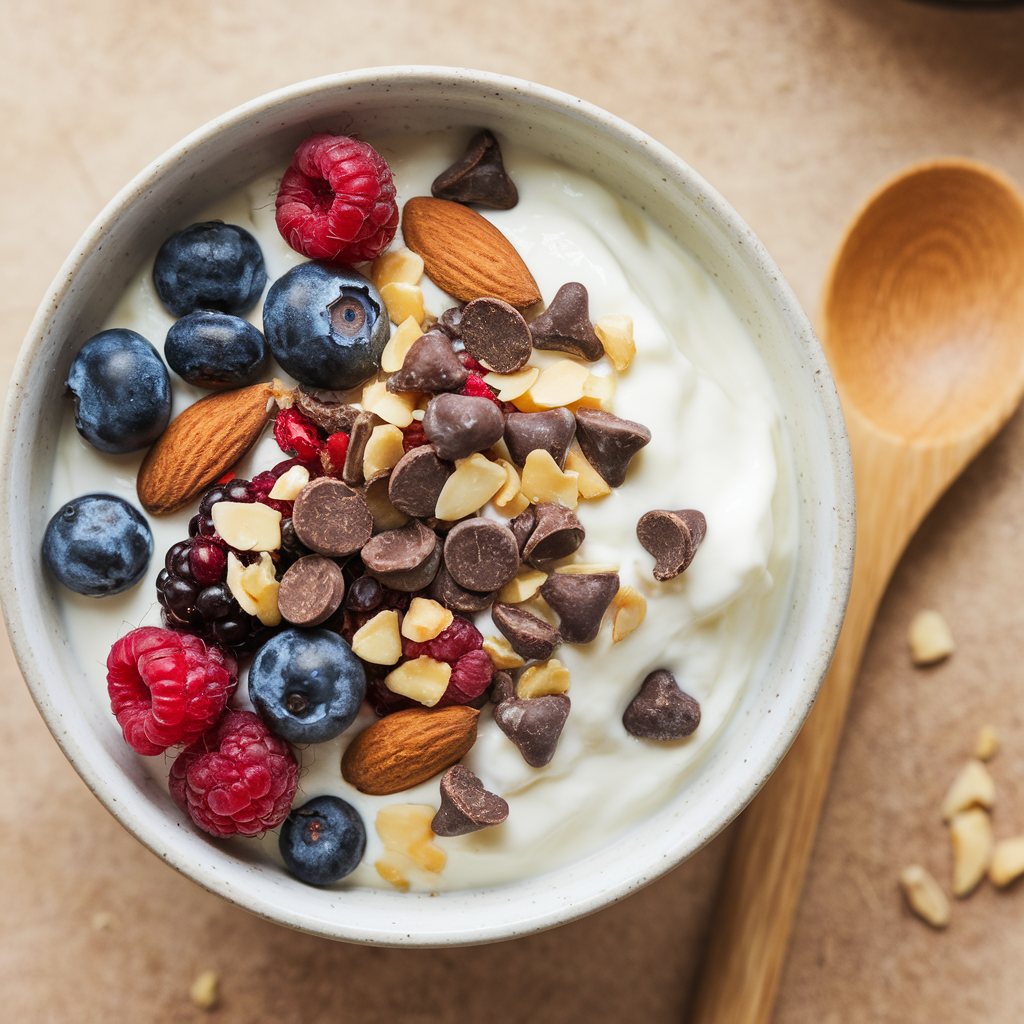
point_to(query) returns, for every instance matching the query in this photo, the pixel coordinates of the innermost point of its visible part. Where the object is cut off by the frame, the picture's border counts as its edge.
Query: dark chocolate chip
(385, 515)
(478, 176)
(609, 442)
(311, 591)
(580, 601)
(405, 559)
(661, 711)
(496, 334)
(327, 409)
(552, 431)
(565, 325)
(459, 425)
(465, 805)
(330, 518)
(445, 591)
(451, 322)
(417, 480)
(430, 365)
(503, 687)
(481, 554)
(531, 637)
(556, 533)
(352, 473)
(522, 526)
(364, 594)
(673, 539)
(533, 725)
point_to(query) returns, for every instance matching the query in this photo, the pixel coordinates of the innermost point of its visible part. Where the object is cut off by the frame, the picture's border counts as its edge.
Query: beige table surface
(794, 110)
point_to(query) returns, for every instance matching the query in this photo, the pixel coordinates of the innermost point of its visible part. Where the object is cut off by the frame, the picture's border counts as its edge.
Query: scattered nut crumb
(930, 638)
(499, 650)
(105, 921)
(629, 608)
(204, 990)
(971, 835)
(1007, 861)
(973, 787)
(925, 896)
(542, 679)
(986, 744)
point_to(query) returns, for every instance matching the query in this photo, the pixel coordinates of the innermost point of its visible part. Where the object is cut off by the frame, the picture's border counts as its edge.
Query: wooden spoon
(923, 327)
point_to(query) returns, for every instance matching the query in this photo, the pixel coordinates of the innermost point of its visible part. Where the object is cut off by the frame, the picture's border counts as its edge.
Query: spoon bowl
(923, 328)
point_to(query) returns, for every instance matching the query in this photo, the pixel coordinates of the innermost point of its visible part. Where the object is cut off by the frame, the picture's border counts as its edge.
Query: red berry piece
(337, 449)
(457, 640)
(414, 649)
(471, 675)
(415, 436)
(296, 433)
(166, 687)
(470, 363)
(236, 779)
(263, 483)
(337, 200)
(476, 388)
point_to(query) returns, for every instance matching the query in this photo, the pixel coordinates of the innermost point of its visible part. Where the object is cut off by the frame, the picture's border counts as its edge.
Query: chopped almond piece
(425, 619)
(379, 641)
(398, 347)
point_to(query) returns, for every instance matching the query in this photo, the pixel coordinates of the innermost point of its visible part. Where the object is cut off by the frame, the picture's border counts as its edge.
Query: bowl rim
(605, 891)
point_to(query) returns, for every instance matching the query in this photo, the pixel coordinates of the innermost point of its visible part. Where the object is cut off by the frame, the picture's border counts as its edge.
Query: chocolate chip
(352, 473)
(565, 325)
(673, 539)
(522, 526)
(661, 711)
(405, 559)
(430, 365)
(451, 322)
(327, 409)
(417, 480)
(459, 425)
(580, 602)
(479, 176)
(445, 591)
(551, 431)
(465, 805)
(364, 594)
(481, 554)
(385, 515)
(531, 637)
(503, 687)
(496, 335)
(556, 533)
(533, 725)
(609, 442)
(330, 518)
(311, 591)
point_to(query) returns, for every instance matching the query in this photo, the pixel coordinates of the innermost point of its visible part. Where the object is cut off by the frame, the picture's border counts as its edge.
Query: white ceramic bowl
(226, 154)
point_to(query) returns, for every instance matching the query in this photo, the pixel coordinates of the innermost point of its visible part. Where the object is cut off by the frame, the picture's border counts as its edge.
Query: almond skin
(200, 446)
(465, 254)
(407, 748)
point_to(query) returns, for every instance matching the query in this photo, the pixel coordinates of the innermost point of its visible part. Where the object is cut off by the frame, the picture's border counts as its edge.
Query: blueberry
(326, 325)
(307, 685)
(323, 840)
(98, 545)
(122, 392)
(210, 266)
(215, 350)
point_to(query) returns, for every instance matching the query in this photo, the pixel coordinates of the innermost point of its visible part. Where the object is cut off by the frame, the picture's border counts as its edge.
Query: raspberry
(415, 436)
(457, 640)
(337, 200)
(236, 779)
(337, 449)
(476, 388)
(263, 483)
(294, 432)
(471, 675)
(167, 688)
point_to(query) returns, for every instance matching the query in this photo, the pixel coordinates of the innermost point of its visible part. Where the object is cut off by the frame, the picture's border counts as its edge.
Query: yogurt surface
(717, 445)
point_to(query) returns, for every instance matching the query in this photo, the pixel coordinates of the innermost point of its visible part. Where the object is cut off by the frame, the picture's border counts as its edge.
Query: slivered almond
(201, 445)
(407, 748)
(465, 254)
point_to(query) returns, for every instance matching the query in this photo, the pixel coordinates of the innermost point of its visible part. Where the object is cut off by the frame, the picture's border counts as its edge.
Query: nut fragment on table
(925, 896)
(971, 835)
(930, 638)
(973, 787)
(986, 744)
(1007, 861)
(204, 990)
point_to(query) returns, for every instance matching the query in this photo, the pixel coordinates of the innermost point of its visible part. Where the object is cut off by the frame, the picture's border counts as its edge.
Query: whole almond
(407, 748)
(200, 446)
(465, 254)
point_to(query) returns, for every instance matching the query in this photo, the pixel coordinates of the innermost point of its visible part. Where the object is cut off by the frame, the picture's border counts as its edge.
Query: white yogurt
(717, 445)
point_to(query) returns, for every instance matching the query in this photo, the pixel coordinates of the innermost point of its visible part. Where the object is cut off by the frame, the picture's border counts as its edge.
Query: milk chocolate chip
(481, 554)
(417, 480)
(522, 526)
(673, 539)
(451, 322)
(531, 637)
(445, 591)
(311, 591)
(406, 559)
(430, 365)
(533, 725)
(565, 325)
(580, 602)
(352, 473)
(661, 711)
(496, 334)
(609, 442)
(465, 805)
(552, 431)
(556, 533)
(330, 518)
(327, 409)
(459, 425)
(479, 176)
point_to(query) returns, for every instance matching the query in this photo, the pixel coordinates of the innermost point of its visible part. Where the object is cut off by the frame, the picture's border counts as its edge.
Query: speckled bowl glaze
(223, 156)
